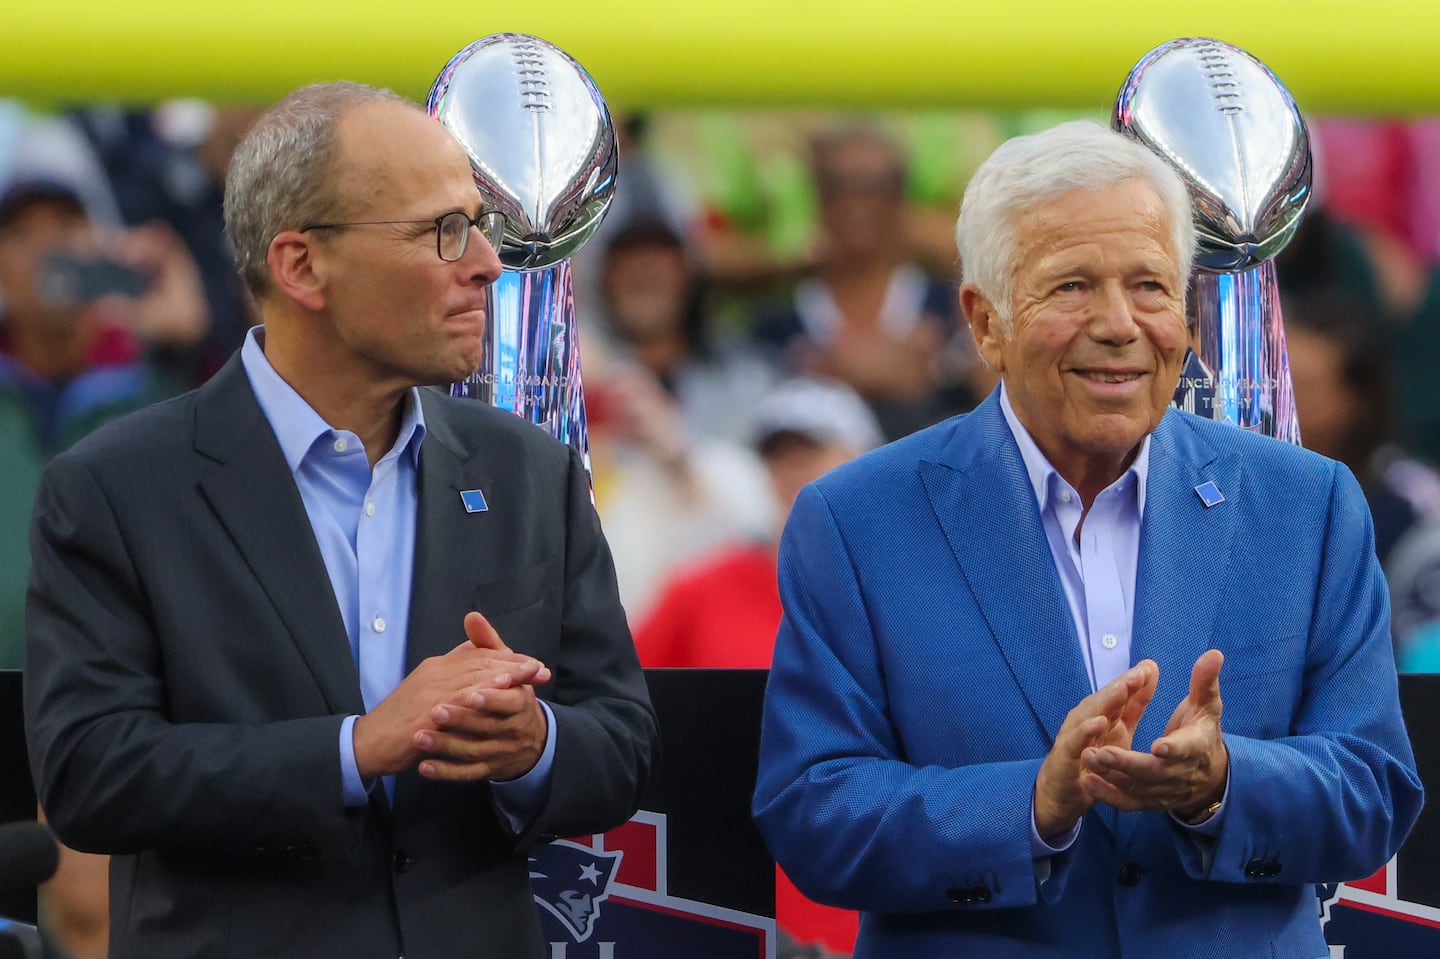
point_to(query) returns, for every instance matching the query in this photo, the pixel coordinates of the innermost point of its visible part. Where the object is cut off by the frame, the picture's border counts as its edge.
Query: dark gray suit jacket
(188, 672)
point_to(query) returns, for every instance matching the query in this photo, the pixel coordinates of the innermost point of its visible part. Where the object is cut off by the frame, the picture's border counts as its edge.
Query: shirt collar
(1044, 478)
(296, 424)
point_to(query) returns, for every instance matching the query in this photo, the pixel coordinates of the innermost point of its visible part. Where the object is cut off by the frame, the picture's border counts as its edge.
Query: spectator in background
(664, 495)
(169, 164)
(1368, 179)
(78, 335)
(1417, 346)
(81, 322)
(869, 317)
(723, 611)
(668, 406)
(1358, 237)
(1339, 364)
(655, 311)
(1327, 253)
(651, 191)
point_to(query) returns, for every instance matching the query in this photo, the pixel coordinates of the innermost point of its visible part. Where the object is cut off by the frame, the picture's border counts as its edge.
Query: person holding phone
(84, 319)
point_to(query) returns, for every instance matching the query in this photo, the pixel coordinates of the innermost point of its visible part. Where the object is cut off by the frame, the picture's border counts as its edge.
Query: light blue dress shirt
(1098, 573)
(364, 522)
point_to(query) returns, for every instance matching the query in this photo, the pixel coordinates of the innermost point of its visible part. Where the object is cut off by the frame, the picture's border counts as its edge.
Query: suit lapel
(1183, 566)
(254, 495)
(454, 550)
(448, 564)
(983, 501)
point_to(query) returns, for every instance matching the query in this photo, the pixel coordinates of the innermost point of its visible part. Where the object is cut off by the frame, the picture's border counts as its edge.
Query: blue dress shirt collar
(296, 424)
(1046, 481)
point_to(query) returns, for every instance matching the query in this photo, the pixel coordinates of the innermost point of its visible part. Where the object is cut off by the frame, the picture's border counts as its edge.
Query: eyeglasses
(452, 230)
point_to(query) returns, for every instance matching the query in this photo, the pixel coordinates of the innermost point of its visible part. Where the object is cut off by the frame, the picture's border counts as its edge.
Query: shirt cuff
(354, 790)
(521, 798)
(1041, 851)
(1211, 826)
(1039, 848)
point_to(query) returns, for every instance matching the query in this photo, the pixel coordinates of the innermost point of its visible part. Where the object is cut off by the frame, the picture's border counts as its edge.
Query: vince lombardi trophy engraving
(542, 147)
(1233, 132)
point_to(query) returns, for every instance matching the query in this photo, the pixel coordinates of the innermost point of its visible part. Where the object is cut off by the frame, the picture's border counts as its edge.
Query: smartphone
(73, 278)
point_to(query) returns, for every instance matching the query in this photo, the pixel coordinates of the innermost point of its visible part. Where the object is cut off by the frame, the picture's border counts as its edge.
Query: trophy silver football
(542, 147)
(1232, 131)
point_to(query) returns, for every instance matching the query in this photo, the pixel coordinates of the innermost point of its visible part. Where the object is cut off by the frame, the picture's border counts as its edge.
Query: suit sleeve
(106, 760)
(606, 736)
(1334, 799)
(850, 820)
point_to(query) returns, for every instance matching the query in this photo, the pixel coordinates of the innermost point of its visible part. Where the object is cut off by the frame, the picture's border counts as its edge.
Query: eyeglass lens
(454, 232)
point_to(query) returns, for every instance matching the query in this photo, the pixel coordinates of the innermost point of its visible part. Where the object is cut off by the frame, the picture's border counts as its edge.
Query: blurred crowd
(737, 343)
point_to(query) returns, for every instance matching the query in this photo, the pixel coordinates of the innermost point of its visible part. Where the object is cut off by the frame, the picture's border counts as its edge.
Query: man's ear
(985, 325)
(297, 271)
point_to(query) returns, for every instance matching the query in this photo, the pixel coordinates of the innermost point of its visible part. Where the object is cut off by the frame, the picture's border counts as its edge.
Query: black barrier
(689, 875)
(693, 878)
(17, 793)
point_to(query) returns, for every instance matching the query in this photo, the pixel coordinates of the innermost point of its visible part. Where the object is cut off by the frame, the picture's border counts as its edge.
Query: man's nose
(481, 262)
(1112, 317)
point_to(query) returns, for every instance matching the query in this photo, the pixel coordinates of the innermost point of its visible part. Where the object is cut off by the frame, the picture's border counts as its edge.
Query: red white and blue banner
(608, 897)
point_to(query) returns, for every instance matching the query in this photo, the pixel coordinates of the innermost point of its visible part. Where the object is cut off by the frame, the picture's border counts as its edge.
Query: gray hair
(283, 172)
(1031, 170)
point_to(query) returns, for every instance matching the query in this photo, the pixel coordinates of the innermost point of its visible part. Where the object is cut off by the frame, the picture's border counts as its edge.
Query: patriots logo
(570, 881)
(1380, 916)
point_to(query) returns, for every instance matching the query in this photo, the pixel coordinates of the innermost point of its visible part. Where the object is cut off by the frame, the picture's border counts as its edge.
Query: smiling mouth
(1103, 376)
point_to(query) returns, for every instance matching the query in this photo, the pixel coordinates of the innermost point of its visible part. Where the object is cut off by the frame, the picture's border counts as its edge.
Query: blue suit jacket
(927, 658)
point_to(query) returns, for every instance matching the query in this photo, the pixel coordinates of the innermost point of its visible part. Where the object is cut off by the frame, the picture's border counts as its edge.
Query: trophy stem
(1240, 343)
(531, 362)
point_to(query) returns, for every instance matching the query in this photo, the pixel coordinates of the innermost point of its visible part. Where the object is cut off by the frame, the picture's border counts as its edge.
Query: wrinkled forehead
(1127, 216)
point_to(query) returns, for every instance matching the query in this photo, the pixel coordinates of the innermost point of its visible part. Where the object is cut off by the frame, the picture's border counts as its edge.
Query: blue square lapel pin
(1209, 494)
(474, 501)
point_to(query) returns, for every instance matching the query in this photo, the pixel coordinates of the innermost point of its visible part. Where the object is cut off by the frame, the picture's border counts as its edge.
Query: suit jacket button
(981, 893)
(1129, 874)
(1262, 869)
(402, 861)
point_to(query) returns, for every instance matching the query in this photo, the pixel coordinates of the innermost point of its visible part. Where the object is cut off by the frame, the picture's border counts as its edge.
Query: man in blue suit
(994, 721)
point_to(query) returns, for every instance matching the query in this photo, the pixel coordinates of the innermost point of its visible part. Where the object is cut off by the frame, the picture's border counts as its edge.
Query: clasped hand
(469, 714)
(1092, 760)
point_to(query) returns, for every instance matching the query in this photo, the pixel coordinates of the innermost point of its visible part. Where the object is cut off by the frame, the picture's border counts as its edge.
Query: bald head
(389, 157)
(283, 173)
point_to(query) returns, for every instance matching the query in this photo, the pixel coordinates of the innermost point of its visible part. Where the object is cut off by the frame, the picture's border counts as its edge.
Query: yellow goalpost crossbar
(1337, 56)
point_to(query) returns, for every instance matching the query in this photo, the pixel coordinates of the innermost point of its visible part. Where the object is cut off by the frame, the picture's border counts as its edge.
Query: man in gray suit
(315, 654)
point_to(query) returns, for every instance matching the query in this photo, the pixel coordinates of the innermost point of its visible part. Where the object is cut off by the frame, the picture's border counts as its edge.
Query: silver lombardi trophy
(1233, 132)
(542, 146)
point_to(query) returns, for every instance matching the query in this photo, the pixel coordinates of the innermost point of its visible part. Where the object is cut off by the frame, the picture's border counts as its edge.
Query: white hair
(281, 176)
(1034, 169)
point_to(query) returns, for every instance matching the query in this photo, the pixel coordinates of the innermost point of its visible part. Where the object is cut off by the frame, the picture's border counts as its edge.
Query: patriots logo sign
(627, 870)
(1368, 919)
(570, 881)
